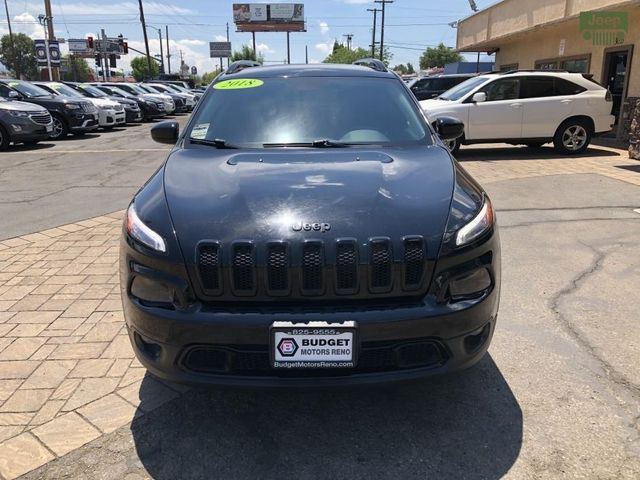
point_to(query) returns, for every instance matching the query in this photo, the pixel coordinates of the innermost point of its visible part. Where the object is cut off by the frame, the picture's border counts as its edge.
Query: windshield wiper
(216, 142)
(321, 143)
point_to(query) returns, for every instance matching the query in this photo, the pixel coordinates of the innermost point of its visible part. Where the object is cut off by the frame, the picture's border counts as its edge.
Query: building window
(546, 65)
(509, 67)
(577, 64)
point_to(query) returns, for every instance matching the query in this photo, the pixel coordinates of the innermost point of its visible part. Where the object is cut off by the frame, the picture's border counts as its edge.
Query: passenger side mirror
(479, 97)
(449, 128)
(166, 132)
(14, 95)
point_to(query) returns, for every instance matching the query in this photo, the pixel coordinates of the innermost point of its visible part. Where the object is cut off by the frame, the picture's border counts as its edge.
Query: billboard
(219, 49)
(269, 17)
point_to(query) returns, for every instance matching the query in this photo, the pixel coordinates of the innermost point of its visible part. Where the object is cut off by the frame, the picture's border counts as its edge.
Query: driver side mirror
(166, 132)
(449, 128)
(14, 95)
(479, 97)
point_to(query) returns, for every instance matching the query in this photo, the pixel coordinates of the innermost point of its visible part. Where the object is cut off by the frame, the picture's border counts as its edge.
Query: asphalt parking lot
(558, 396)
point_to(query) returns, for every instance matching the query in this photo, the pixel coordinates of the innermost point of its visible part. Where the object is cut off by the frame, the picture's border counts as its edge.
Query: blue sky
(411, 25)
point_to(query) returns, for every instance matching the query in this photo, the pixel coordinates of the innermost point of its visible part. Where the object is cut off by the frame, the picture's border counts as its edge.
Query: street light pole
(161, 52)
(168, 52)
(43, 21)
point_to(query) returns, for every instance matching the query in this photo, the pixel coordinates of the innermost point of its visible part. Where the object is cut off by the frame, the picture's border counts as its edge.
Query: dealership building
(597, 37)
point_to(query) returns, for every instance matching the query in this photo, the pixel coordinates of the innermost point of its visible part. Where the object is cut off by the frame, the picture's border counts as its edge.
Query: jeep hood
(228, 195)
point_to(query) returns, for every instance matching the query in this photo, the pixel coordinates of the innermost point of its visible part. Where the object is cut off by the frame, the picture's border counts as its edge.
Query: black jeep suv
(309, 228)
(70, 115)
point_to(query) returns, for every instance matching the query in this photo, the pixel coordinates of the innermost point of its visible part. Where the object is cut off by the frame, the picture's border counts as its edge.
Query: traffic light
(125, 48)
(112, 61)
(90, 43)
(98, 61)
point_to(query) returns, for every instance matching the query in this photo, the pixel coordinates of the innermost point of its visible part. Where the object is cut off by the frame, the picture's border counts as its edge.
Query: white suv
(527, 107)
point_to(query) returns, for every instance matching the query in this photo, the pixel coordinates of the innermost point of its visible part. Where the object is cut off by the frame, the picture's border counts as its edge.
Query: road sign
(194, 70)
(78, 46)
(112, 46)
(219, 49)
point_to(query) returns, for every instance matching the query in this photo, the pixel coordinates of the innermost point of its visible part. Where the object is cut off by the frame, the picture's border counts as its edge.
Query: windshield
(160, 88)
(301, 110)
(28, 90)
(460, 90)
(147, 89)
(93, 91)
(63, 89)
(132, 89)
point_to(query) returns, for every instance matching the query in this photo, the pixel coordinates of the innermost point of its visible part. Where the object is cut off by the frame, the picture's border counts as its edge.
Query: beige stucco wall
(512, 16)
(527, 48)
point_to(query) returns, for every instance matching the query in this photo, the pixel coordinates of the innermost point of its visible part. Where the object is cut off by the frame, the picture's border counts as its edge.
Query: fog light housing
(16, 128)
(470, 285)
(151, 291)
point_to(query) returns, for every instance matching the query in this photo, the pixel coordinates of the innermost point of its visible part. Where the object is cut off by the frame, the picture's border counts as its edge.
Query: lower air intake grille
(209, 267)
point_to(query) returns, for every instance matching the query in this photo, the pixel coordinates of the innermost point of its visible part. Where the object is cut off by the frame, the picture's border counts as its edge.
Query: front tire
(60, 128)
(572, 137)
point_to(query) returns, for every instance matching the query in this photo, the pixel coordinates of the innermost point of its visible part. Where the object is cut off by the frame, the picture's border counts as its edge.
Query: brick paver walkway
(67, 371)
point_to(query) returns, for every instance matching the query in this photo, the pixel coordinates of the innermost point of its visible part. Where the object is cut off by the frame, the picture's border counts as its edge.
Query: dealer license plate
(313, 345)
(49, 128)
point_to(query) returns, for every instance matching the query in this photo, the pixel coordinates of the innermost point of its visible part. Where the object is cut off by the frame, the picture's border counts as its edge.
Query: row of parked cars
(34, 111)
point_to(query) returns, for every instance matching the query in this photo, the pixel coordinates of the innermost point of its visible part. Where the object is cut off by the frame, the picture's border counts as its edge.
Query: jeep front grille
(344, 268)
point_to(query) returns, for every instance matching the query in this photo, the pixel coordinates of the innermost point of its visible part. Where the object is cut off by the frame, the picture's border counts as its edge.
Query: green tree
(344, 55)
(78, 69)
(439, 57)
(246, 53)
(410, 68)
(401, 69)
(140, 68)
(208, 77)
(21, 58)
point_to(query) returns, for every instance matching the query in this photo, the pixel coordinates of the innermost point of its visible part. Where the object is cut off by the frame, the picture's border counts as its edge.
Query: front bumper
(83, 122)
(25, 130)
(132, 116)
(235, 340)
(111, 118)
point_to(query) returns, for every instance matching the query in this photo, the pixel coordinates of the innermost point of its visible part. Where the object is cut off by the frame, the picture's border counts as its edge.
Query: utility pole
(306, 54)
(181, 63)
(43, 21)
(146, 39)
(161, 53)
(107, 66)
(384, 3)
(227, 41)
(373, 34)
(255, 54)
(168, 54)
(16, 60)
(288, 51)
(52, 36)
(349, 37)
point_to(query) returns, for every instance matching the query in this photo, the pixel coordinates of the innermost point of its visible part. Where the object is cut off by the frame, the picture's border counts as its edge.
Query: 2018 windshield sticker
(199, 132)
(238, 83)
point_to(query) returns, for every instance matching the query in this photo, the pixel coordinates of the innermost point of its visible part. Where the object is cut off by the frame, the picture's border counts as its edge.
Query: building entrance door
(616, 76)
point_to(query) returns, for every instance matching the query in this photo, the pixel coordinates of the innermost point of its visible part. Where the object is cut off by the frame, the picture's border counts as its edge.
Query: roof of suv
(313, 70)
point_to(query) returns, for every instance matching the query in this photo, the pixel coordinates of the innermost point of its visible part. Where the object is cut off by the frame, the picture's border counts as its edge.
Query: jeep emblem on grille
(311, 227)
